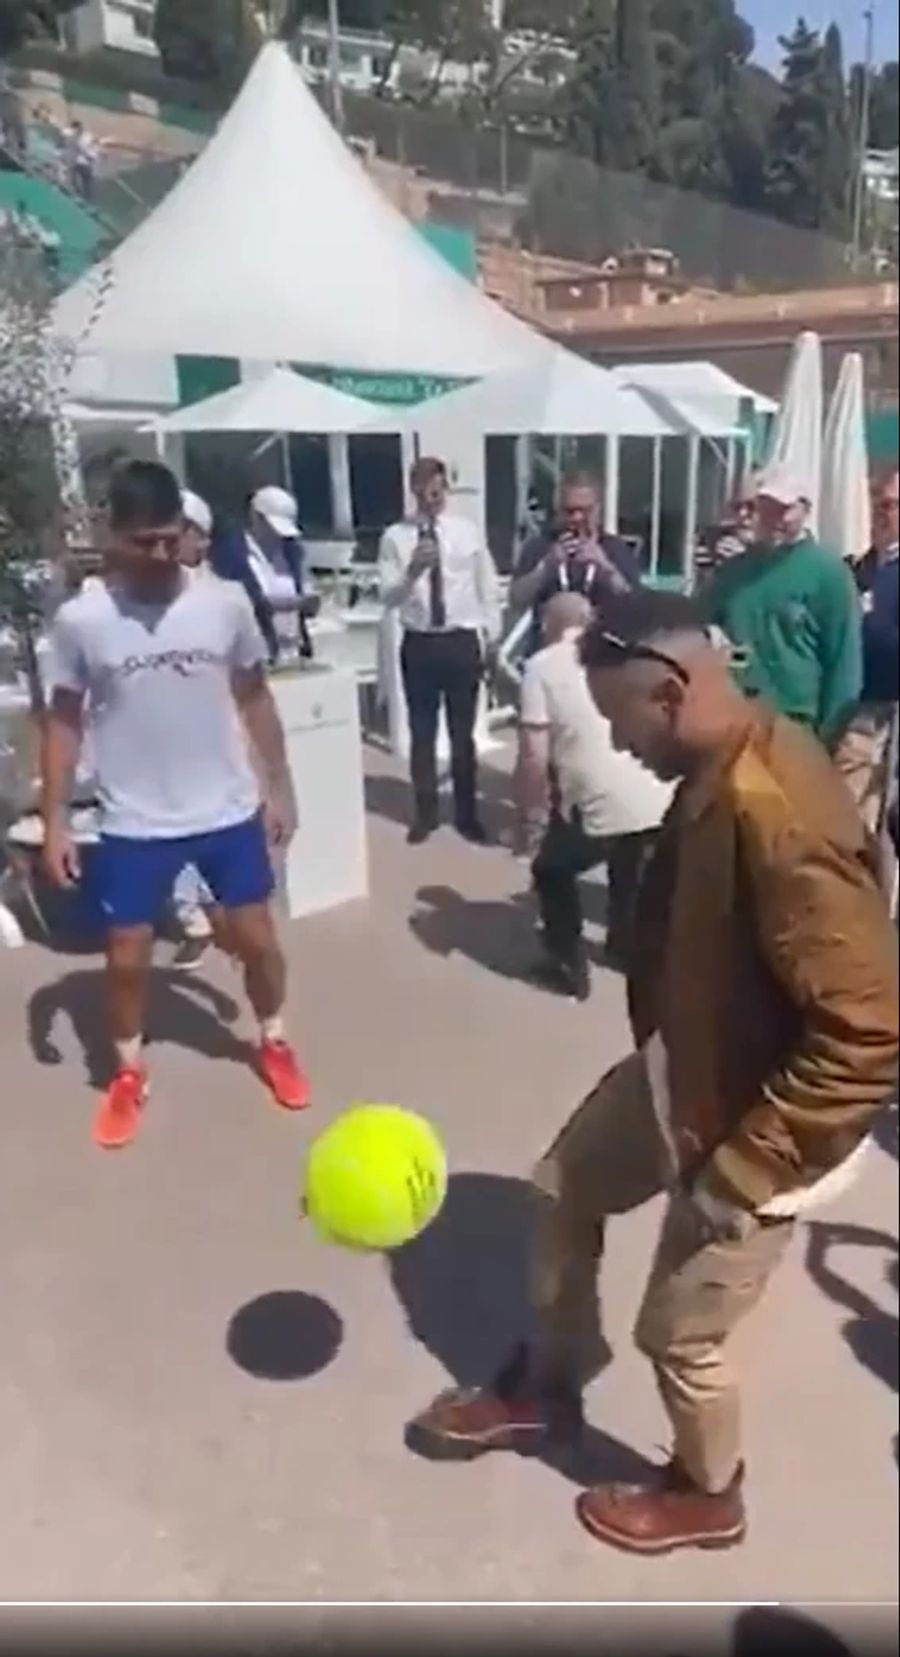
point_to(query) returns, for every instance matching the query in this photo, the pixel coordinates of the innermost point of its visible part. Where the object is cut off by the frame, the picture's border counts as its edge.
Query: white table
(327, 861)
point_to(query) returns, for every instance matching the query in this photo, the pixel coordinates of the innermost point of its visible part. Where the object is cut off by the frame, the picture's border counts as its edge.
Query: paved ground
(198, 1402)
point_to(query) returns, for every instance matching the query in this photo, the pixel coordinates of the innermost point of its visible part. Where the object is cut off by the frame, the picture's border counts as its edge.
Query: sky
(771, 18)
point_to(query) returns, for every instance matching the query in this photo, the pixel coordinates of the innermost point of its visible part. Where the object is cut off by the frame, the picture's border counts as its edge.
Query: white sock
(272, 1029)
(129, 1052)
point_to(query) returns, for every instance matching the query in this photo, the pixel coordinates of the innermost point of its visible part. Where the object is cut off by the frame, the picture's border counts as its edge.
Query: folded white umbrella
(845, 520)
(796, 442)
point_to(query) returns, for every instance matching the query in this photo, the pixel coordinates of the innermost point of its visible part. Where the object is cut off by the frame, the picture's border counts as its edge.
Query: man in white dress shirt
(436, 570)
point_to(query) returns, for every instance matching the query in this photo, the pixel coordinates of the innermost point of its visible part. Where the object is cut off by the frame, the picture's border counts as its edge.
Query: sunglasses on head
(627, 650)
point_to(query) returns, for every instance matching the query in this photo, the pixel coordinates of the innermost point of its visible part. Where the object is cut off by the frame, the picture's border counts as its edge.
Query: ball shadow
(464, 1283)
(284, 1336)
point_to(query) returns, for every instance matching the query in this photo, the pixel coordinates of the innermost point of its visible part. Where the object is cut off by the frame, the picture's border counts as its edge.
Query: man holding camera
(576, 556)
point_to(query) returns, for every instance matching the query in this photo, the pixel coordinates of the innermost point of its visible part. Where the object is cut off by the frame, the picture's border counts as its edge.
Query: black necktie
(437, 601)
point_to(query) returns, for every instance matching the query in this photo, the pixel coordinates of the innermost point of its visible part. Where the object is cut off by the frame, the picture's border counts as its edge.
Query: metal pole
(656, 506)
(690, 512)
(611, 485)
(862, 138)
(336, 93)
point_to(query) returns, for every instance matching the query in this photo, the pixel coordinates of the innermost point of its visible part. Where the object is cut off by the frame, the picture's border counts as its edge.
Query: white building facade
(115, 25)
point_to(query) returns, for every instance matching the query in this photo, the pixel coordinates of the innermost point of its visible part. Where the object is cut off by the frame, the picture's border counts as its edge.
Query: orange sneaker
(281, 1072)
(119, 1112)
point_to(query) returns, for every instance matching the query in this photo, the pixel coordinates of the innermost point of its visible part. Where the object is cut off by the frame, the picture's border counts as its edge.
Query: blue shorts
(129, 882)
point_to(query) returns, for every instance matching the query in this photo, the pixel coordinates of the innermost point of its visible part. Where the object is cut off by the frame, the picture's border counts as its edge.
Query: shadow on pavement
(870, 1332)
(186, 1012)
(464, 1288)
(497, 935)
(284, 1336)
(764, 1631)
(391, 798)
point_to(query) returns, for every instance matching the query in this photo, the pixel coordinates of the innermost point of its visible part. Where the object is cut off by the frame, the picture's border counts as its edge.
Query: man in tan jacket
(763, 997)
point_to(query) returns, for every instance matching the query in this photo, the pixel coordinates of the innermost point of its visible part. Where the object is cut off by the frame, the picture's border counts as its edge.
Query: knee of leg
(128, 953)
(253, 939)
(653, 1336)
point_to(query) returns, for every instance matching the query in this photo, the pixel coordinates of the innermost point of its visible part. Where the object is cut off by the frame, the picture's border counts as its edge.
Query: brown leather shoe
(466, 1423)
(659, 1519)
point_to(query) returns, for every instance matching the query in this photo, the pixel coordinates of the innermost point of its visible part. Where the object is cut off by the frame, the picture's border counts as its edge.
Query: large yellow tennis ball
(375, 1178)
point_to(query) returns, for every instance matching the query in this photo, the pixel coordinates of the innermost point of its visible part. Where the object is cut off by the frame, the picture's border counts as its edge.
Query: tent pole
(523, 476)
(335, 88)
(611, 486)
(730, 468)
(656, 506)
(690, 509)
(284, 444)
(341, 484)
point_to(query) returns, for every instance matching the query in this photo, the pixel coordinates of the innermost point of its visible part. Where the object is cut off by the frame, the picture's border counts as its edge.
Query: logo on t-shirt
(182, 662)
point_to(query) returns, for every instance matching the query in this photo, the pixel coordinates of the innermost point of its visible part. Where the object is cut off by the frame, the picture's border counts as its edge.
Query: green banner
(392, 389)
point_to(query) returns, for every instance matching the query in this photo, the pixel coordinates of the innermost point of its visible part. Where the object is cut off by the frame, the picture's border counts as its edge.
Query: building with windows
(366, 58)
(115, 25)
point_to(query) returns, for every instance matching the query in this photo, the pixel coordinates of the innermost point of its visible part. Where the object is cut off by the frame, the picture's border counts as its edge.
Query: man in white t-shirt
(609, 806)
(164, 661)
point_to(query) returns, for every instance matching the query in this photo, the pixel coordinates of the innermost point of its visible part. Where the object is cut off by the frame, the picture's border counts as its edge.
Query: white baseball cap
(196, 511)
(780, 484)
(279, 508)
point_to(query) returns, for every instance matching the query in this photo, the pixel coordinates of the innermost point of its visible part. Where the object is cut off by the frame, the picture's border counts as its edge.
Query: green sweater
(793, 614)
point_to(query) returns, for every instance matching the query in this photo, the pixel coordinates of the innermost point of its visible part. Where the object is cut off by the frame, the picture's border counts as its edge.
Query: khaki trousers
(609, 1159)
(863, 756)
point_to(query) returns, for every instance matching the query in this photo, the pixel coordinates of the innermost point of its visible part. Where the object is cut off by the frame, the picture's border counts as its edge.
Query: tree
(798, 137)
(884, 112)
(210, 40)
(29, 496)
(749, 106)
(837, 157)
(634, 114)
(24, 20)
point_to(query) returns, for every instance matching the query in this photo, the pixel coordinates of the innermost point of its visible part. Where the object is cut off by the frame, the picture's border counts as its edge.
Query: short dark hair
(627, 621)
(426, 469)
(580, 478)
(143, 494)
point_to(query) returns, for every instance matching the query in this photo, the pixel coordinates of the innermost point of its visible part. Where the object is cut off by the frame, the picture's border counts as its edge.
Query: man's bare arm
(61, 740)
(532, 786)
(265, 738)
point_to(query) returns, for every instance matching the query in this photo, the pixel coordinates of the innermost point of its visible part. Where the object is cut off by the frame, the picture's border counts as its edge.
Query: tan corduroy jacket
(766, 960)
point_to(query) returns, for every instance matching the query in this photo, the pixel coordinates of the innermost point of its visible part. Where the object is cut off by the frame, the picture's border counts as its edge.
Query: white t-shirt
(613, 792)
(170, 757)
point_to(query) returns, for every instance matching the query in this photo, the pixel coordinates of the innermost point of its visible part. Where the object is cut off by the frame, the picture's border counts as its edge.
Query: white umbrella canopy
(845, 518)
(796, 441)
(557, 395)
(280, 401)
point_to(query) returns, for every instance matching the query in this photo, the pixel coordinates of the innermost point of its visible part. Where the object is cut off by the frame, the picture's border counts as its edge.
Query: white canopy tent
(275, 247)
(845, 517)
(564, 395)
(279, 401)
(703, 384)
(558, 394)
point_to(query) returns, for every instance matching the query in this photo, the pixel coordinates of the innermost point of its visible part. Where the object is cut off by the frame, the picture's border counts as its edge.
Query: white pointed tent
(276, 246)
